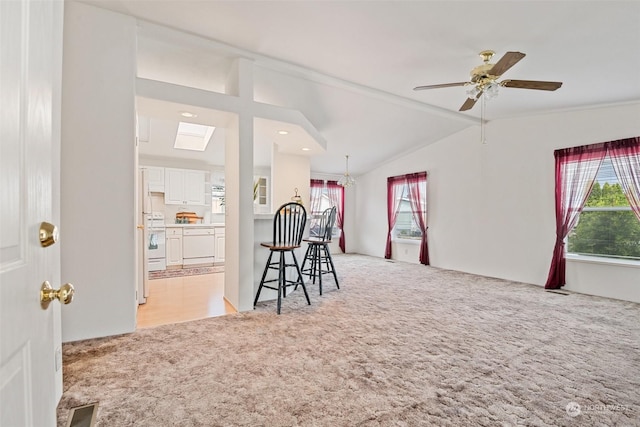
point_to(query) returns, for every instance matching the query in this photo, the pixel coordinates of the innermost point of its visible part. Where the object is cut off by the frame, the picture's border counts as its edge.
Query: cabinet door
(155, 178)
(219, 256)
(174, 247)
(194, 187)
(174, 186)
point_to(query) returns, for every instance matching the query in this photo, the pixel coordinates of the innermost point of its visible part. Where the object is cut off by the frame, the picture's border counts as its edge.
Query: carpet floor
(397, 345)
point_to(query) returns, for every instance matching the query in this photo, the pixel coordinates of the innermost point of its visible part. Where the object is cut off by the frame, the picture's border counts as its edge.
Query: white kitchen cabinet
(174, 247)
(198, 245)
(184, 187)
(154, 178)
(219, 255)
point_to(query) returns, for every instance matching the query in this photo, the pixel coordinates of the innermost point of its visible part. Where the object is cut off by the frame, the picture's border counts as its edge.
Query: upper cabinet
(184, 187)
(260, 194)
(154, 178)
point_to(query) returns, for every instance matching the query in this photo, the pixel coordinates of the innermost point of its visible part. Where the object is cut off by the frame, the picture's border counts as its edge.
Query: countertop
(198, 225)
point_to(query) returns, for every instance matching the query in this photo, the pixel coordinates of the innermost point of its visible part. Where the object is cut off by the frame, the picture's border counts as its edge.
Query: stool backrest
(288, 224)
(327, 222)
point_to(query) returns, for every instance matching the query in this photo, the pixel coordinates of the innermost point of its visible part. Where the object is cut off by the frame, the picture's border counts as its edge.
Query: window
(217, 199)
(607, 226)
(406, 226)
(577, 171)
(407, 211)
(320, 201)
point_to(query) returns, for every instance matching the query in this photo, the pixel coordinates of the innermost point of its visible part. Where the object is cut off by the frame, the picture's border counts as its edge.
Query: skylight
(194, 137)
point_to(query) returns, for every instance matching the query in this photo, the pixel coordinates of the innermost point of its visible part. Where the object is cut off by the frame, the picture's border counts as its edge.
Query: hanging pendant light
(346, 180)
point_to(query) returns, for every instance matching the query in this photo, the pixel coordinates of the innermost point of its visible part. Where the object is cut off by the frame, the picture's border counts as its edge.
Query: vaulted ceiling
(350, 66)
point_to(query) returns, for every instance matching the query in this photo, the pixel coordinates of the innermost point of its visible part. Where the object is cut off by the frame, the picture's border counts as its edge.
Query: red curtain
(336, 195)
(395, 185)
(625, 156)
(576, 170)
(417, 183)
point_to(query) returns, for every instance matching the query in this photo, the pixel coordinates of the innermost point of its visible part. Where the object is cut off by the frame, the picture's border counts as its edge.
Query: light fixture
(283, 132)
(188, 114)
(346, 180)
(306, 149)
(487, 88)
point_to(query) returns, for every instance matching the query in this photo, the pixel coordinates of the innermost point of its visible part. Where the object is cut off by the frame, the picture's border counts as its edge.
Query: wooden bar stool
(318, 250)
(288, 227)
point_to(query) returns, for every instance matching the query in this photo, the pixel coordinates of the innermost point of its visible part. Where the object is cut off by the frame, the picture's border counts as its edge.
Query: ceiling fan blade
(507, 61)
(440, 86)
(469, 103)
(531, 84)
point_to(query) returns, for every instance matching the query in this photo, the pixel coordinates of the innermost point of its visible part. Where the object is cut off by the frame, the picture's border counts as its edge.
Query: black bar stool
(288, 227)
(318, 249)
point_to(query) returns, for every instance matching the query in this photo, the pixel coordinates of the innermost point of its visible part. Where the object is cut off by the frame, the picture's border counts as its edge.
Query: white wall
(289, 172)
(491, 207)
(98, 172)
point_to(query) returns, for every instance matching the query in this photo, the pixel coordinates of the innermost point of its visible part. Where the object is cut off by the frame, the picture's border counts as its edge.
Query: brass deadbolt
(48, 234)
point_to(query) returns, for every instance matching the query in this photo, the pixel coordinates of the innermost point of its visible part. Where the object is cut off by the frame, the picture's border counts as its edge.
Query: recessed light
(188, 114)
(283, 132)
(306, 149)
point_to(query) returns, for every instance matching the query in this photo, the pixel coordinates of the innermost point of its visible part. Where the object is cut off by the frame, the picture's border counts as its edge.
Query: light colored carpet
(398, 345)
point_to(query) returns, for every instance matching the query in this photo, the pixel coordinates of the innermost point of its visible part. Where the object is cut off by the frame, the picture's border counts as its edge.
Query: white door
(30, 356)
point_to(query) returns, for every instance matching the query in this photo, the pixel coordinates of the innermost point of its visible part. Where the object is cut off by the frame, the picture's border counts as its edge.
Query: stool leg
(319, 267)
(333, 269)
(280, 280)
(306, 256)
(304, 288)
(264, 275)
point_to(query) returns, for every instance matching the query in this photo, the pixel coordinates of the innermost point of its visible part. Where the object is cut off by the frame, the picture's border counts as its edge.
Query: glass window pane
(608, 233)
(607, 226)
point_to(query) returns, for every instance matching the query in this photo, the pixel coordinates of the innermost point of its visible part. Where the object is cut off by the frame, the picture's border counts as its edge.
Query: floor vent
(83, 416)
(557, 291)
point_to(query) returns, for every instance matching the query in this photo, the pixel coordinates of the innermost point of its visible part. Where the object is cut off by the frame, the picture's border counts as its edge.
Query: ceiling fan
(484, 79)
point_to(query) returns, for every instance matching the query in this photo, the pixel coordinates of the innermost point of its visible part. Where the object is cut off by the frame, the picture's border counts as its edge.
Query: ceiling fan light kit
(484, 79)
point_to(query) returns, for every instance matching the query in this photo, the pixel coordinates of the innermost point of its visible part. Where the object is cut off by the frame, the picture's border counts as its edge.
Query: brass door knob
(48, 234)
(48, 294)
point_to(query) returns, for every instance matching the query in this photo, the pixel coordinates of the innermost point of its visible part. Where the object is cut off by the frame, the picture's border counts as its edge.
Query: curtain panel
(625, 157)
(394, 192)
(336, 195)
(315, 194)
(417, 183)
(576, 170)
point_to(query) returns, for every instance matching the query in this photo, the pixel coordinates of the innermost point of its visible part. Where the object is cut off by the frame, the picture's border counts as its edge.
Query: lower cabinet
(219, 234)
(174, 246)
(194, 246)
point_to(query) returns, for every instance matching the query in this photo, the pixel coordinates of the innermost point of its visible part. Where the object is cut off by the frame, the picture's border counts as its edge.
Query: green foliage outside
(606, 232)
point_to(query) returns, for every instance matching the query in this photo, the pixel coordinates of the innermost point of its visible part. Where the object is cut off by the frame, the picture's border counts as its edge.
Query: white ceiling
(350, 66)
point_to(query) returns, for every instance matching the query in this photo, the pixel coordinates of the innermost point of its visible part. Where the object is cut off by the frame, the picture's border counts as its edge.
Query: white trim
(602, 260)
(399, 240)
